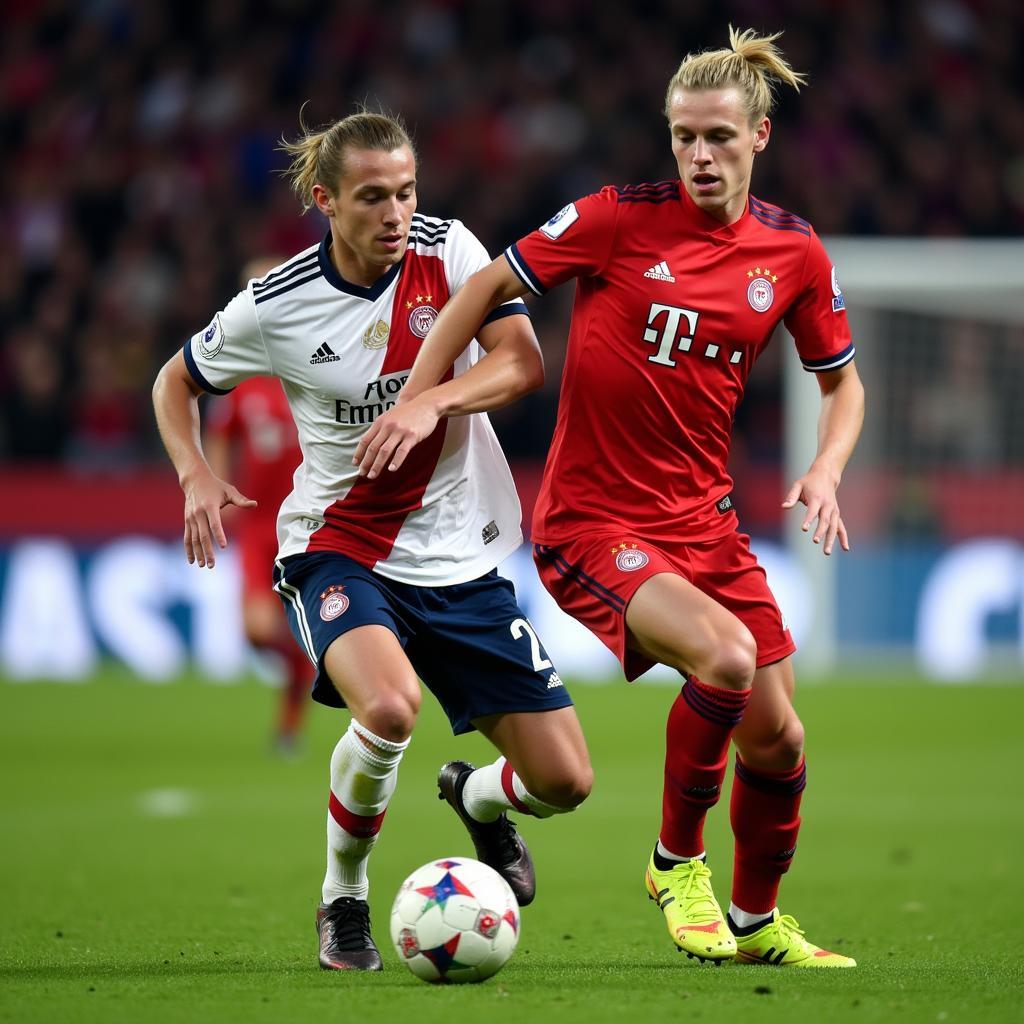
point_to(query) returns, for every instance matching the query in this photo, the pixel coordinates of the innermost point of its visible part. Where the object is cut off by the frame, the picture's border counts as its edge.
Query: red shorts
(594, 579)
(257, 547)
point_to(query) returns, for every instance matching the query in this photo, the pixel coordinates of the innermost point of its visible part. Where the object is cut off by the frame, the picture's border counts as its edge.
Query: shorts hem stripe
(588, 583)
(291, 594)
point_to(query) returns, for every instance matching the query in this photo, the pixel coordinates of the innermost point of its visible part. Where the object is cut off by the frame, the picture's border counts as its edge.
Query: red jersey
(672, 308)
(257, 417)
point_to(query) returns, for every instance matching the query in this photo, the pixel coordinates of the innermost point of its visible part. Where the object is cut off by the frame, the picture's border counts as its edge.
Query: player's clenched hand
(204, 498)
(393, 436)
(817, 491)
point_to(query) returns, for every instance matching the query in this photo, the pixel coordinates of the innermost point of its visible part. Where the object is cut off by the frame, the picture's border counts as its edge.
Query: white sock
(742, 919)
(669, 855)
(486, 794)
(362, 781)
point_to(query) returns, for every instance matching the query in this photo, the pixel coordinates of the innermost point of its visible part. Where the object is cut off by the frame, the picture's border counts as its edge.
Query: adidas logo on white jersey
(660, 272)
(324, 354)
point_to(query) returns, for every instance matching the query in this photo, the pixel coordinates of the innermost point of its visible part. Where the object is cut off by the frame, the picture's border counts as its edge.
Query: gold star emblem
(408, 305)
(774, 278)
(757, 270)
(429, 298)
(766, 272)
(750, 273)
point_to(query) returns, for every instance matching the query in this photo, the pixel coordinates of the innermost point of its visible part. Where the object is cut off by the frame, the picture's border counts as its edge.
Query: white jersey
(343, 353)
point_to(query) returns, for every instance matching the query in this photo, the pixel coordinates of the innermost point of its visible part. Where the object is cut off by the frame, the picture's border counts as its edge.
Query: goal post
(939, 329)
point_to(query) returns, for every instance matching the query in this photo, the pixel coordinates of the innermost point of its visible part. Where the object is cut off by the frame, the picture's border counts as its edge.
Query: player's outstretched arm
(512, 367)
(176, 404)
(842, 414)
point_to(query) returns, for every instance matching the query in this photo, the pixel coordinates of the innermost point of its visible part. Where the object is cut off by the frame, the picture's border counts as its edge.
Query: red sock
(697, 744)
(765, 814)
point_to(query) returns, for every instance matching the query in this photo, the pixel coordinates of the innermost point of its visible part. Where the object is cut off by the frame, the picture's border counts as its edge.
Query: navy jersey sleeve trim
(830, 362)
(197, 374)
(509, 309)
(522, 270)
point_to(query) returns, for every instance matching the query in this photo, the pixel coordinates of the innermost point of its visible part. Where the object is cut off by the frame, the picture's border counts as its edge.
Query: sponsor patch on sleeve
(838, 302)
(564, 219)
(210, 341)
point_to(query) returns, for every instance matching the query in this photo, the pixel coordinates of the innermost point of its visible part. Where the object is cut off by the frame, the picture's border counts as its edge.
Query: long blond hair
(318, 155)
(753, 64)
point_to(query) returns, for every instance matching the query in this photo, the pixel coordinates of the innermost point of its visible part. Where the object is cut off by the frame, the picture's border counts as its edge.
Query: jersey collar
(333, 278)
(709, 225)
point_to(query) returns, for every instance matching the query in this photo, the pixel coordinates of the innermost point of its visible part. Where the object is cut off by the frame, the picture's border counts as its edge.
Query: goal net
(934, 495)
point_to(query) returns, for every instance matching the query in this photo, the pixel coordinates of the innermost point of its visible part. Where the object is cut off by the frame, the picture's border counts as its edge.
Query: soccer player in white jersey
(389, 579)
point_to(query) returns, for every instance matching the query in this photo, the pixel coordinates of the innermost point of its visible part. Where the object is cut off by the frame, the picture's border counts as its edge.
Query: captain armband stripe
(830, 362)
(506, 309)
(523, 271)
(197, 374)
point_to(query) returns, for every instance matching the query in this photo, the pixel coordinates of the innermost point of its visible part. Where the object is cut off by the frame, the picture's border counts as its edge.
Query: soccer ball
(455, 920)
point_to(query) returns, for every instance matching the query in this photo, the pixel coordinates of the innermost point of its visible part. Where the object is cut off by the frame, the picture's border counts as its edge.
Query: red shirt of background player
(256, 421)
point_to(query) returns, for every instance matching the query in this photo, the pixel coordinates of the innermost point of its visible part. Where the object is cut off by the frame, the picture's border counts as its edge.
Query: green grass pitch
(158, 864)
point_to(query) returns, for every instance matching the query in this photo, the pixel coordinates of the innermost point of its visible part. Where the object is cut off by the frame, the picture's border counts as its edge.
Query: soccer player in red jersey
(251, 437)
(679, 287)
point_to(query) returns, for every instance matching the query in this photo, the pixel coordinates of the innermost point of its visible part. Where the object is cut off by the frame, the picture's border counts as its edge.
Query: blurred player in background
(389, 579)
(680, 286)
(251, 438)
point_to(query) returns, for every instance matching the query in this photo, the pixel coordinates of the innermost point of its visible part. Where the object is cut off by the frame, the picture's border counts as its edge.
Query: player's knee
(776, 749)
(733, 661)
(789, 748)
(391, 713)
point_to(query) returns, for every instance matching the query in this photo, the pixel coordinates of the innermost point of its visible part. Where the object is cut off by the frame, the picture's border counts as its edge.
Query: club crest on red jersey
(333, 603)
(629, 558)
(760, 293)
(422, 315)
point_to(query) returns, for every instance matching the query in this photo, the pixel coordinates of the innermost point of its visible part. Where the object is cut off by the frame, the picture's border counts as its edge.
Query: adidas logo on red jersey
(660, 272)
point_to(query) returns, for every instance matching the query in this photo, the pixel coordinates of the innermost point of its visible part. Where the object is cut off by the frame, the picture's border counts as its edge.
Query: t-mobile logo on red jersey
(663, 329)
(668, 337)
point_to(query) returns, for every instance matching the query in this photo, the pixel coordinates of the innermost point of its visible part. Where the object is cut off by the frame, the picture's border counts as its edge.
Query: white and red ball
(455, 920)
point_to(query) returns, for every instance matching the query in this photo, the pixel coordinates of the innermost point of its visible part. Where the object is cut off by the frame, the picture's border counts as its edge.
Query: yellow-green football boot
(781, 943)
(694, 918)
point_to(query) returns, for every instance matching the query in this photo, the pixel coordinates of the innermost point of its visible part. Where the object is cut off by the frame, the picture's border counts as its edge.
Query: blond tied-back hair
(318, 155)
(753, 64)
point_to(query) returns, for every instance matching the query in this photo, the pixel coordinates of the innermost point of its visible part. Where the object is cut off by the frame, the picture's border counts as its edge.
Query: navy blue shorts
(470, 643)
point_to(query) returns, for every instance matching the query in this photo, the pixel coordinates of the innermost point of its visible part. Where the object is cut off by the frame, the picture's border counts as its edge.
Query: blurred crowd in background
(139, 145)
